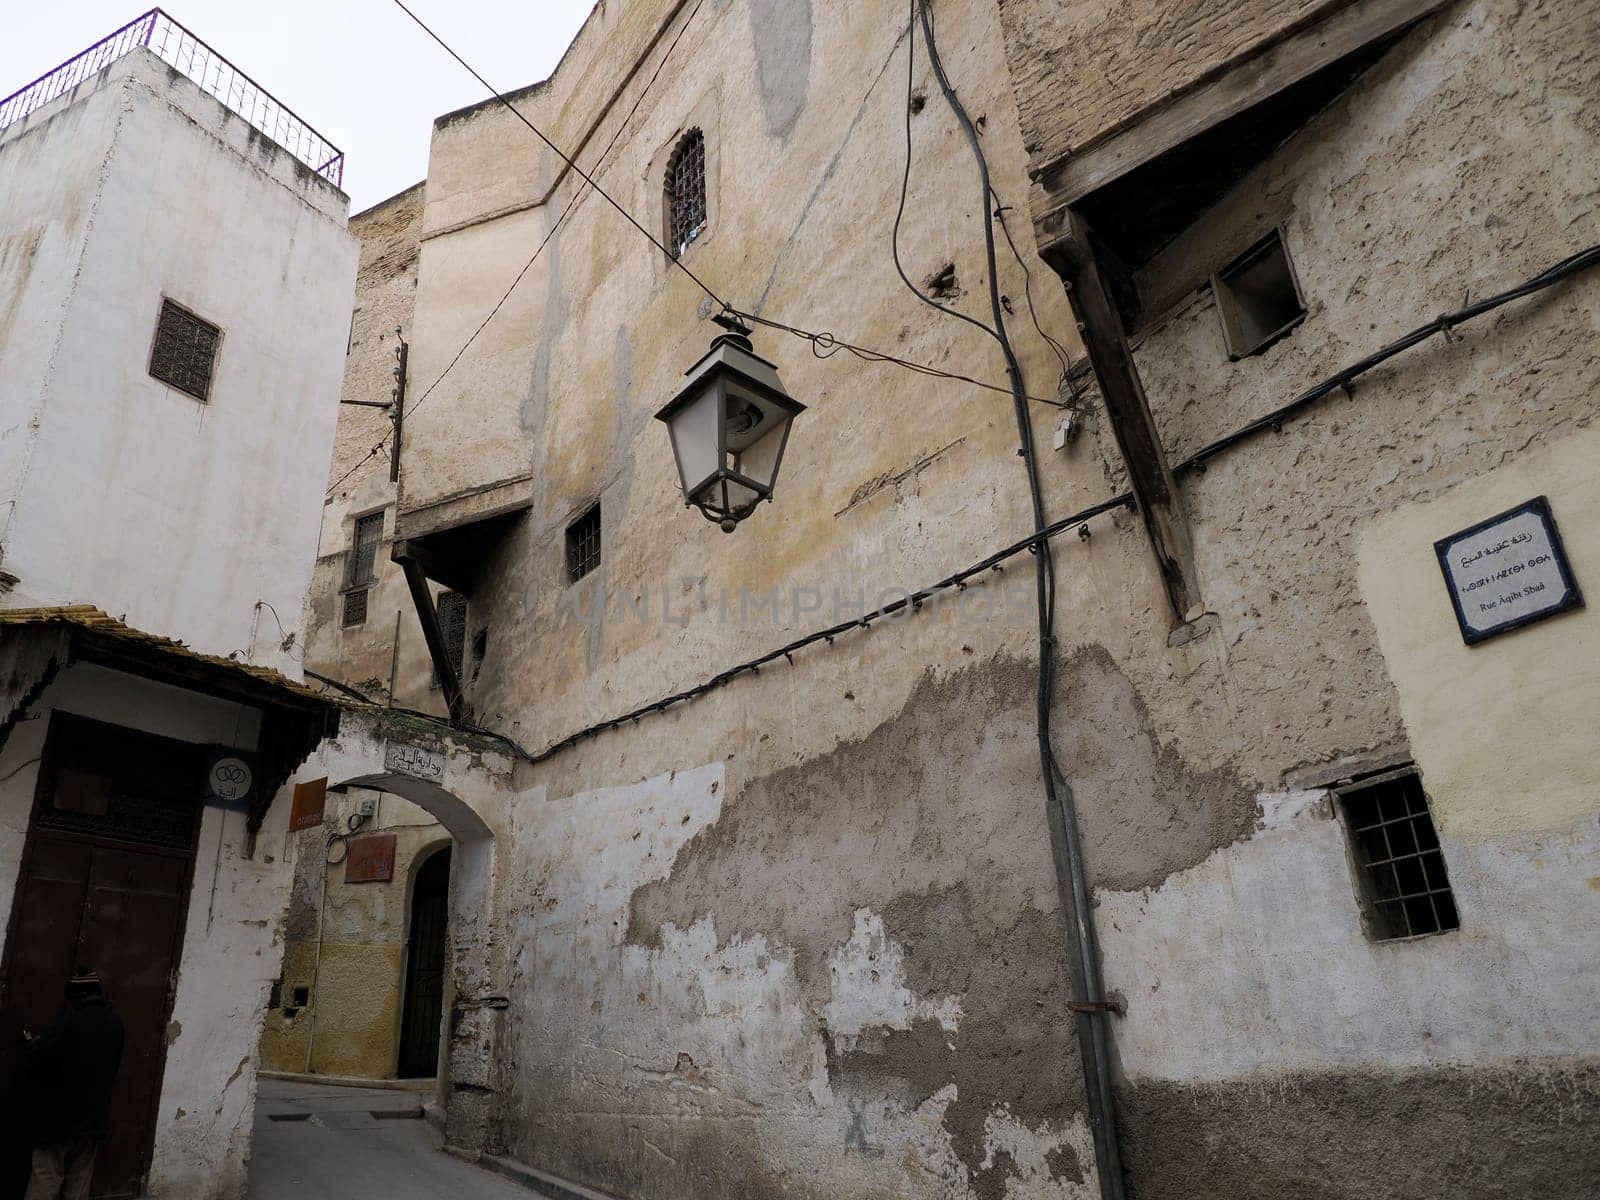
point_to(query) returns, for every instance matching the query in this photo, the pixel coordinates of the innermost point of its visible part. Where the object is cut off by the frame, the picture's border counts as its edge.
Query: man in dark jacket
(72, 1068)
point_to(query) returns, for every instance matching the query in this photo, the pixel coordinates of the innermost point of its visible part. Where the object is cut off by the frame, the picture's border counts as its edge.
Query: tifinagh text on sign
(1507, 572)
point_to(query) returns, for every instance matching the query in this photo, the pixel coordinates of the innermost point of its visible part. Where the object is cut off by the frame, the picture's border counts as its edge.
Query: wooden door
(424, 990)
(104, 884)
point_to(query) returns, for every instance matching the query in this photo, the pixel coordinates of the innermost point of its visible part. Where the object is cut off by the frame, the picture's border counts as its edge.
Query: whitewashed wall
(230, 946)
(128, 494)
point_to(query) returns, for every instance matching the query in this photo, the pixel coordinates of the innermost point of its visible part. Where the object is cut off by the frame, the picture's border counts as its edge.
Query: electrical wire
(1078, 520)
(1064, 358)
(572, 203)
(1060, 814)
(562, 155)
(823, 344)
(905, 188)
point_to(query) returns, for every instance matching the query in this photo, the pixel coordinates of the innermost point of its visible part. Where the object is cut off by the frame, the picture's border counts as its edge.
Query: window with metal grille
(1405, 888)
(686, 192)
(583, 544)
(185, 350)
(362, 567)
(364, 545)
(452, 607)
(355, 607)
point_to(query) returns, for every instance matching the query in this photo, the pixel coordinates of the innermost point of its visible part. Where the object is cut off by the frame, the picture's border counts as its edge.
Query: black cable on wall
(1092, 1013)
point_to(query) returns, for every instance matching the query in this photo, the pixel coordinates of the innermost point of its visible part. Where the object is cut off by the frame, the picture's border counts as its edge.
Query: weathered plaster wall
(841, 973)
(348, 945)
(1538, 690)
(230, 948)
(683, 1022)
(1263, 1025)
(465, 785)
(138, 498)
(844, 980)
(41, 246)
(1084, 67)
(362, 655)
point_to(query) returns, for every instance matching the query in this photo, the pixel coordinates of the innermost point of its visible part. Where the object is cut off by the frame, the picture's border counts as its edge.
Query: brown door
(424, 996)
(104, 884)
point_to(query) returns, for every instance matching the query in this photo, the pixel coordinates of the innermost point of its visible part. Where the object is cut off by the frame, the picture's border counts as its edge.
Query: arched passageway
(456, 784)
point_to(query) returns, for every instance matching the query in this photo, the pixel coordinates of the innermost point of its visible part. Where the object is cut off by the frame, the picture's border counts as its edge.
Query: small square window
(1258, 297)
(583, 544)
(1405, 888)
(355, 608)
(185, 350)
(301, 995)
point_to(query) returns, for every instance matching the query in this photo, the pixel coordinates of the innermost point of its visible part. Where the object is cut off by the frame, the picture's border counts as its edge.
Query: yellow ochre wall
(351, 1027)
(1504, 731)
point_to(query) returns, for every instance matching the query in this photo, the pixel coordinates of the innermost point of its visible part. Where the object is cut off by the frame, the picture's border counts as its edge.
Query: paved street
(314, 1142)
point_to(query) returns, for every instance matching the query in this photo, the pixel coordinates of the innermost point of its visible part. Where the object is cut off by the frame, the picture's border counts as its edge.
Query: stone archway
(462, 783)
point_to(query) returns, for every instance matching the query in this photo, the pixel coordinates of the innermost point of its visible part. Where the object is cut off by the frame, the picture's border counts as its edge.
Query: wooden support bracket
(1089, 289)
(410, 557)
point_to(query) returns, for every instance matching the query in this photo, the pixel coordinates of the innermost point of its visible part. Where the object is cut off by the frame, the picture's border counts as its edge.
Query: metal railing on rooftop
(216, 76)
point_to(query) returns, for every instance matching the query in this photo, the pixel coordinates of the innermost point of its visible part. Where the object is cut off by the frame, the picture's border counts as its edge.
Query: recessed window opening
(1258, 297)
(583, 544)
(301, 995)
(362, 573)
(686, 192)
(452, 608)
(1405, 887)
(355, 608)
(185, 350)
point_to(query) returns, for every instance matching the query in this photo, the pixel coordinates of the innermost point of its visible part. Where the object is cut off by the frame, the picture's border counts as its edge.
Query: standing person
(71, 1070)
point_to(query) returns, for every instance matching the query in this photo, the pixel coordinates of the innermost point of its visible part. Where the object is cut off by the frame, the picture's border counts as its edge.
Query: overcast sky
(357, 70)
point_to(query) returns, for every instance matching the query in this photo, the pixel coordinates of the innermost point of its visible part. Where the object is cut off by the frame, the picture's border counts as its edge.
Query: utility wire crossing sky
(357, 71)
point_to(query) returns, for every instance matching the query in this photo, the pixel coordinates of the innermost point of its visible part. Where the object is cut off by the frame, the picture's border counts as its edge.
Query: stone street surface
(332, 1146)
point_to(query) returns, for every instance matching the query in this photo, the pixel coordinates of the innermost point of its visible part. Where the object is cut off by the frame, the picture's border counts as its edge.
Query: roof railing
(215, 75)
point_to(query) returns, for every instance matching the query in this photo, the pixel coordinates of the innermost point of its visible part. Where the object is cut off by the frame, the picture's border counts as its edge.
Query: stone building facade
(174, 284)
(803, 935)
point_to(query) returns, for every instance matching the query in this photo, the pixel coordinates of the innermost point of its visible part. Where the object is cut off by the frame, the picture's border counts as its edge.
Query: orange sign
(310, 800)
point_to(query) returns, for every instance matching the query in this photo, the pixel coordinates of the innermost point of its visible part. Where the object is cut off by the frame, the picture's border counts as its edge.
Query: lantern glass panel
(757, 430)
(696, 437)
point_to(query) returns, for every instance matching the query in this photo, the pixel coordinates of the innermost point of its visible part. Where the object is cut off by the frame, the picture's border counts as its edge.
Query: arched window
(686, 192)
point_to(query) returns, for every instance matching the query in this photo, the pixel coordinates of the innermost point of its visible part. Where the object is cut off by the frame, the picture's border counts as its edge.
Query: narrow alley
(317, 1142)
(800, 600)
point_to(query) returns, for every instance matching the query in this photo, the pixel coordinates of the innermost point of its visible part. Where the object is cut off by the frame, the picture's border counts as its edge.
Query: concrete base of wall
(1444, 1133)
(539, 1183)
(394, 1085)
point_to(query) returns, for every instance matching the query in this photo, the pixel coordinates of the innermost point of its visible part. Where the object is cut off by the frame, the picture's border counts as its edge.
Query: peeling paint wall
(799, 937)
(1264, 1025)
(230, 947)
(718, 986)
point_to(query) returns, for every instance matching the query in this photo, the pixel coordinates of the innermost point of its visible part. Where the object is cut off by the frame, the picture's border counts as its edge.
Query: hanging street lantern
(729, 426)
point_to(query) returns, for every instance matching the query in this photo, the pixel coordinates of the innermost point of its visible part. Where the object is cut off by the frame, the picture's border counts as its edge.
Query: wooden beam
(1149, 475)
(409, 556)
(1239, 86)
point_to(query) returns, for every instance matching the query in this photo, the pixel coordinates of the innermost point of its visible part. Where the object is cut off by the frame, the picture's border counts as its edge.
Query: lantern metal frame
(731, 361)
